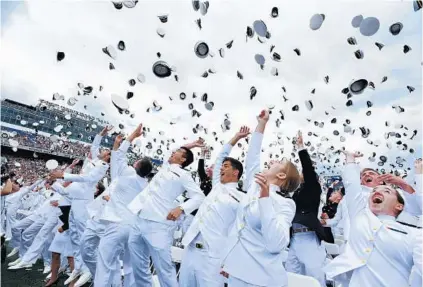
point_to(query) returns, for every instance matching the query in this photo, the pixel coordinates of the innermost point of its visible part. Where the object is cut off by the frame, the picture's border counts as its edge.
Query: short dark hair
(400, 200)
(144, 167)
(189, 157)
(236, 164)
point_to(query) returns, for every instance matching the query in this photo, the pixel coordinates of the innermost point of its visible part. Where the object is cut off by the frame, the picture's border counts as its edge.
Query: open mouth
(377, 198)
(369, 180)
(222, 174)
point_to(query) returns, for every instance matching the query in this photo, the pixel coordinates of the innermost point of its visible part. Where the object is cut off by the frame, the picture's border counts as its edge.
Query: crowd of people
(47, 144)
(274, 226)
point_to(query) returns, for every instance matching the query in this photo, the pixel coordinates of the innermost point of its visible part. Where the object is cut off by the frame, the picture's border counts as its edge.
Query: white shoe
(85, 277)
(17, 261)
(8, 239)
(20, 265)
(48, 276)
(73, 276)
(47, 269)
(13, 252)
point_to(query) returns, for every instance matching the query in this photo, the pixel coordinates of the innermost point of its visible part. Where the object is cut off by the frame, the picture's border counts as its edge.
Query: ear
(399, 207)
(281, 175)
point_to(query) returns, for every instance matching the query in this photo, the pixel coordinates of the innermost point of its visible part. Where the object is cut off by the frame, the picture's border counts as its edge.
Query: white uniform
(82, 193)
(206, 237)
(380, 251)
(151, 233)
(126, 185)
(49, 216)
(261, 233)
(341, 220)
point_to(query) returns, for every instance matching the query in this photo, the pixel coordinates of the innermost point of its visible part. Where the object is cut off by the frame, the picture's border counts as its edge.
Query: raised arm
(356, 201)
(118, 159)
(275, 218)
(201, 169)
(252, 162)
(95, 146)
(309, 174)
(418, 171)
(226, 150)
(7, 189)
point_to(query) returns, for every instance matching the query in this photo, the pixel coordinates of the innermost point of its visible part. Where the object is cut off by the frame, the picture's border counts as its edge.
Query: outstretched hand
(300, 141)
(244, 131)
(105, 130)
(263, 117)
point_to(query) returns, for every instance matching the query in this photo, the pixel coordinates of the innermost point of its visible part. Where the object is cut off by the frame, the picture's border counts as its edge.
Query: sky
(34, 31)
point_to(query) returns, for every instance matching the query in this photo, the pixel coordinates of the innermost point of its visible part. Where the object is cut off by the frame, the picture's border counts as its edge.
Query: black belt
(299, 230)
(410, 225)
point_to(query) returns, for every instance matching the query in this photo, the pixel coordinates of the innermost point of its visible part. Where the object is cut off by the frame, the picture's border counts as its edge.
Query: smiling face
(369, 177)
(178, 157)
(384, 199)
(228, 173)
(105, 155)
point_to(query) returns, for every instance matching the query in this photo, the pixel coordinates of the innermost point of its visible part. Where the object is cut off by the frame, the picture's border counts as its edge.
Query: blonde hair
(292, 180)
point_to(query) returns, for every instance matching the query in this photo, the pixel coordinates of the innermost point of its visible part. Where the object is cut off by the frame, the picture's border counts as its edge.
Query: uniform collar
(384, 217)
(231, 184)
(274, 188)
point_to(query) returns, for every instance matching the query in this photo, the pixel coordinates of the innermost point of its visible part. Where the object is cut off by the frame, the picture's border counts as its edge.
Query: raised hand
(263, 183)
(105, 130)
(396, 180)
(300, 141)
(56, 174)
(244, 131)
(136, 133)
(351, 156)
(118, 141)
(263, 117)
(418, 166)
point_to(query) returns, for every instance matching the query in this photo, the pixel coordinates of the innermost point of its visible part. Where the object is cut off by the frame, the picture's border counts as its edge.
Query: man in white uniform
(380, 251)
(206, 237)
(83, 187)
(156, 210)
(128, 183)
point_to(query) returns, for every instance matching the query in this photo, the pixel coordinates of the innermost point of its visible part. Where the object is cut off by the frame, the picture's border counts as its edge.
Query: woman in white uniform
(263, 220)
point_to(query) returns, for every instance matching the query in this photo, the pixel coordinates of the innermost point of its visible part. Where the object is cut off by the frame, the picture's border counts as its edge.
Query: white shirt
(123, 189)
(380, 251)
(217, 213)
(159, 197)
(341, 219)
(261, 232)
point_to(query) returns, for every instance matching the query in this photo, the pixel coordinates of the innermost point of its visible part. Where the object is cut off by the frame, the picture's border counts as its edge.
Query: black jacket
(307, 200)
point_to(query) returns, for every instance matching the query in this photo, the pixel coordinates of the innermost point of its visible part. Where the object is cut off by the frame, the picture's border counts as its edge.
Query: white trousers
(29, 229)
(200, 270)
(307, 256)
(17, 231)
(89, 244)
(46, 253)
(148, 238)
(112, 245)
(77, 221)
(235, 282)
(43, 235)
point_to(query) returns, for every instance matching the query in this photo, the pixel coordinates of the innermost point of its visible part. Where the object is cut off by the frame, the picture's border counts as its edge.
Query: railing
(39, 150)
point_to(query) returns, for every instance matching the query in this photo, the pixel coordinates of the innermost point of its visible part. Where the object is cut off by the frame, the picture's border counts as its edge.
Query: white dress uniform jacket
(261, 231)
(380, 251)
(124, 188)
(341, 219)
(159, 197)
(217, 214)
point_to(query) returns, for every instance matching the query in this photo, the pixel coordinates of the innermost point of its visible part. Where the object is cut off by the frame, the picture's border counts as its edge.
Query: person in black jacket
(205, 175)
(306, 251)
